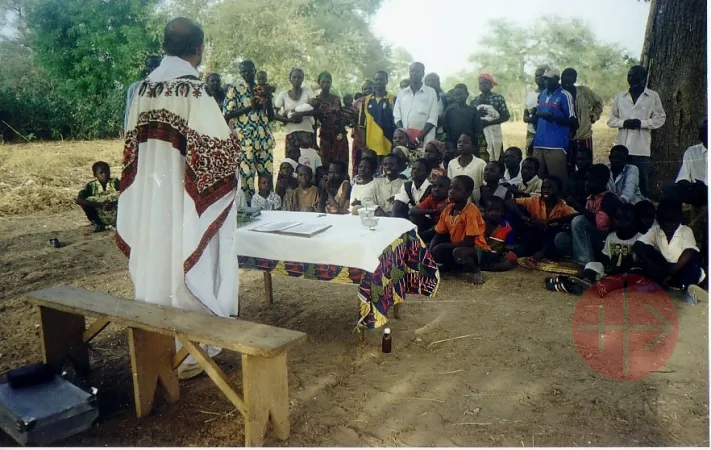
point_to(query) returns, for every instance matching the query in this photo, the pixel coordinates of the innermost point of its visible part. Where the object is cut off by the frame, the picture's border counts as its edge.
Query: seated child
(460, 242)
(537, 220)
(624, 180)
(645, 215)
(668, 253)
(308, 156)
(306, 196)
(386, 187)
(100, 197)
(513, 157)
(617, 255)
(468, 164)
(405, 165)
(368, 153)
(499, 232)
(575, 193)
(530, 185)
(336, 191)
(434, 152)
(426, 213)
(286, 180)
(413, 191)
(363, 191)
(588, 231)
(493, 171)
(402, 139)
(266, 199)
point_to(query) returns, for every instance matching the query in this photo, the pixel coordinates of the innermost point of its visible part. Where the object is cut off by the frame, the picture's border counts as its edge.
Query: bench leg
(62, 339)
(152, 362)
(268, 288)
(266, 394)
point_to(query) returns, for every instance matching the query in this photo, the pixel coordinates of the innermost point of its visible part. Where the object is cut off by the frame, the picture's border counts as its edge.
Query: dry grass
(46, 176)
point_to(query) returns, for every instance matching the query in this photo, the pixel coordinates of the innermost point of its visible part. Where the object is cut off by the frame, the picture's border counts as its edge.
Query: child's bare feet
(477, 278)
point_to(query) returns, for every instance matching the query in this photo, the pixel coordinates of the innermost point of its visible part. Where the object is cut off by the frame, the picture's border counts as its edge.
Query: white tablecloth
(347, 243)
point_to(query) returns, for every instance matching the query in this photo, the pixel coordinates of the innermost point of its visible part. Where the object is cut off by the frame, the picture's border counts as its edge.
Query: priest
(176, 209)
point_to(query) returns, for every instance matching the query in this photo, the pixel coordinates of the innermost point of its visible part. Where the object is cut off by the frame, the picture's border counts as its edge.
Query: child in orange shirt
(460, 242)
(537, 220)
(426, 213)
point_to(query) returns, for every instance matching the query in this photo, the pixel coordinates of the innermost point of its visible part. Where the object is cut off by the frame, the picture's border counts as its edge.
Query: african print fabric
(176, 211)
(255, 137)
(406, 267)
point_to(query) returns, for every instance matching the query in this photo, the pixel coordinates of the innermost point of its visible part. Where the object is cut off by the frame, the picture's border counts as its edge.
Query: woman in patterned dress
(251, 125)
(333, 143)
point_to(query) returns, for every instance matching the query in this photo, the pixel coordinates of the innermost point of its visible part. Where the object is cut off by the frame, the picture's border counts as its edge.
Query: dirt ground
(516, 381)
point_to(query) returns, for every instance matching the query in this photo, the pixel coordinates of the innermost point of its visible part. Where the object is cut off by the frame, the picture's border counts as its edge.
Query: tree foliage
(316, 35)
(92, 46)
(512, 52)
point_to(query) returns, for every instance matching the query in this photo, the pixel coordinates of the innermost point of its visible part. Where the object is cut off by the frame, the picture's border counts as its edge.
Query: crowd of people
(439, 160)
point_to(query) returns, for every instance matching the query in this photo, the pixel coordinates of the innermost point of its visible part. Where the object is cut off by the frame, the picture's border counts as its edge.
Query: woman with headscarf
(334, 143)
(297, 114)
(492, 150)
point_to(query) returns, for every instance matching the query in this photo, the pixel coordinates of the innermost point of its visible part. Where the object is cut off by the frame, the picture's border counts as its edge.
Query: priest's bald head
(185, 39)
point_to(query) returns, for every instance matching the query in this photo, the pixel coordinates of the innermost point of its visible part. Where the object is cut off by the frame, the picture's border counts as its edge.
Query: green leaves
(316, 35)
(91, 47)
(513, 52)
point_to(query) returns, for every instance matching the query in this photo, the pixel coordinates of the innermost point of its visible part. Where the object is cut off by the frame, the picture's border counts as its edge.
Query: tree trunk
(675, 56)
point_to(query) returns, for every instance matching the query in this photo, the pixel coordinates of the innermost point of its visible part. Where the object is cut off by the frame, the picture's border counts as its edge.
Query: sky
(443, 33)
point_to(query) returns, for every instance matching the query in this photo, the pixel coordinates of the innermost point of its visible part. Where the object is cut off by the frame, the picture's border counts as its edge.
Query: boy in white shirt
(387, 187)
(668, 252)
(617, 255)
(468, 164)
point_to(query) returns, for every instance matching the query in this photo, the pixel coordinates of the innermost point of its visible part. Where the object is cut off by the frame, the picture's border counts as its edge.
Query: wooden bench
(152, 331)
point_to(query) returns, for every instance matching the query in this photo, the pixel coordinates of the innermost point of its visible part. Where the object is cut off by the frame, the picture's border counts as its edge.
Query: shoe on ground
(188, 371)
(694, 295)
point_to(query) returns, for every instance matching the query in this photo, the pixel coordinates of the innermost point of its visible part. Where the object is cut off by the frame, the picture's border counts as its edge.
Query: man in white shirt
(691, 185)
(635, 113)
(417, 106)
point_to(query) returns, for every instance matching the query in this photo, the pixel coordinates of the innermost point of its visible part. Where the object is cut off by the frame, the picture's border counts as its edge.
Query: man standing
(416, 107)
(530, 104)
(376, 116)
(556, 118)
(635, 113)
(150, 65)
(252, 129)
(176, 210)
(588, 108)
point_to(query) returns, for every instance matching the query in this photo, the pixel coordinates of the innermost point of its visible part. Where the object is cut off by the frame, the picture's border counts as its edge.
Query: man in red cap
(497, 101)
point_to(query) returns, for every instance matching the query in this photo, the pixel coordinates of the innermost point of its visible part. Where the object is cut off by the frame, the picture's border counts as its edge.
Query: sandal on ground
(567, 284)
(695, 294)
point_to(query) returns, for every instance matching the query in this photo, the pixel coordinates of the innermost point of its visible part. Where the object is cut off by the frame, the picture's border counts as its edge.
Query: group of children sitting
(478, 216)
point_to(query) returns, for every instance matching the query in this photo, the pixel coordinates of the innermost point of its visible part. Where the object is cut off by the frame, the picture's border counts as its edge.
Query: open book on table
(292, 228)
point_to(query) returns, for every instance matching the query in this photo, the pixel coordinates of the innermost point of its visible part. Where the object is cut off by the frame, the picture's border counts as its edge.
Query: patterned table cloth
(406, 267)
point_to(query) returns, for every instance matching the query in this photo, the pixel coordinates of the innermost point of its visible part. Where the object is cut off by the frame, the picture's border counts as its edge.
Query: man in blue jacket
(556, 121)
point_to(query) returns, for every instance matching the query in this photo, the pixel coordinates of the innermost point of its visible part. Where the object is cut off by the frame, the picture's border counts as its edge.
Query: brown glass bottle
(387, 341)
